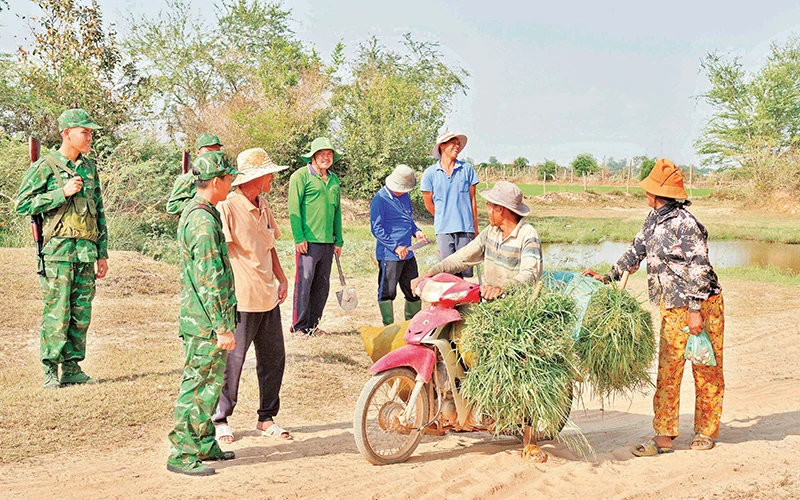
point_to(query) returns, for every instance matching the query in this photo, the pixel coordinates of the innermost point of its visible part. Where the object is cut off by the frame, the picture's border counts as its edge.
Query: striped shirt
(510, 260)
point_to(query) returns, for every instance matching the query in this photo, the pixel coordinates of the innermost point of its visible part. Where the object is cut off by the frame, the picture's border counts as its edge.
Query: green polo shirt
(315, 212)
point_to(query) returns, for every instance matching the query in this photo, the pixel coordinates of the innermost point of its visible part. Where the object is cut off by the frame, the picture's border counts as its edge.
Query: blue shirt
(391, 223)
(451, 199)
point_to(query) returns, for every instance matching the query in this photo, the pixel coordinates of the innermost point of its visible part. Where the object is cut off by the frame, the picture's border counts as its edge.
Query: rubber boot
(50, 375)
(387, 312)
(412, 308)
(72, 374)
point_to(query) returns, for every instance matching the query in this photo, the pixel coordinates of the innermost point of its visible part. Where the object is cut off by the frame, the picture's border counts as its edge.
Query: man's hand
(401, 251)
(696, 323)
(337, 251)
(283, 291)
(73, 186)
(420, 236)
(415, 283)
(301, 247)
(489, 292)
(592, 274)
(102, 268)
(226, 341)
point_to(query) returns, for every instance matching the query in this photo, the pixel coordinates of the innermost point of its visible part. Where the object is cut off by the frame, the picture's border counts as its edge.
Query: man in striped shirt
(509, 247)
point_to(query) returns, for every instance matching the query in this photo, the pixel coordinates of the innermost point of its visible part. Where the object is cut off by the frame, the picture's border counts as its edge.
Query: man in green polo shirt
(184, 189)
(315, 216)
(64, 188)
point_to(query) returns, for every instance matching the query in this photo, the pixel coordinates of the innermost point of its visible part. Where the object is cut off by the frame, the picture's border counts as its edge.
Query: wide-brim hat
(665, 180)
(402, 179)
(506, 195)
(444, 138)
(254, 163)
(317, 145)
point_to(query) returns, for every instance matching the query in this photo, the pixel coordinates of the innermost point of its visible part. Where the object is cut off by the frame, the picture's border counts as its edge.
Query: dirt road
(109, 440)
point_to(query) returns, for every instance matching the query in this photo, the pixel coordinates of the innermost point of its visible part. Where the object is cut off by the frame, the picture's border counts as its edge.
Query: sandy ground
(756, 456)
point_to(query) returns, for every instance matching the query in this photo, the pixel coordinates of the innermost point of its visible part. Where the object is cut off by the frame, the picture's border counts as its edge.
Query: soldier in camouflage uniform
(683, 283)
(207, 320)
(183, 190)
(64, 188)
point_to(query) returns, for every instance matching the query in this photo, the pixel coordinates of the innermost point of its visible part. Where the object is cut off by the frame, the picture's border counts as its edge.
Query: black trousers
(312, 283)
(263, 330)
(396, 272)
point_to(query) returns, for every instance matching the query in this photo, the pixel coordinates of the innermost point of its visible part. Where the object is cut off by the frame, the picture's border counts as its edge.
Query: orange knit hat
(665, 180)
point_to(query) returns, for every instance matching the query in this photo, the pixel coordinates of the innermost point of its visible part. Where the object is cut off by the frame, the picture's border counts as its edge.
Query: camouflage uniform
(208, 307)
(183, 189)
(68, 286)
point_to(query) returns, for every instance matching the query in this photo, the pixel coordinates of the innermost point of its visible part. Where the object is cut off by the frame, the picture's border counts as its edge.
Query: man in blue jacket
(390, 217)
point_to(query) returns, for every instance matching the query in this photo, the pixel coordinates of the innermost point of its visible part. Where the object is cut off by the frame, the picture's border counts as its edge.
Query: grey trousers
(263, 330)
(312, 283)
(448, 243)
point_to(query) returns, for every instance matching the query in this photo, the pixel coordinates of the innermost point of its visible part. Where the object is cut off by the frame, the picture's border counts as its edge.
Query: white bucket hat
(254, 163)
(444, 138)
(402, 179)
(506, 195)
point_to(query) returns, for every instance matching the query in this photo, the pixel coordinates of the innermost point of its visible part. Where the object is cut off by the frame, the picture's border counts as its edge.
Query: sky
(547, 80)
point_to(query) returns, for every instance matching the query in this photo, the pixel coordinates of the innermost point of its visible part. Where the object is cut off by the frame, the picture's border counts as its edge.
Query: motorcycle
(416, 389)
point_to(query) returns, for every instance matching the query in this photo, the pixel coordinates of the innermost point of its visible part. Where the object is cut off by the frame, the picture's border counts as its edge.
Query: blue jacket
(390, 218)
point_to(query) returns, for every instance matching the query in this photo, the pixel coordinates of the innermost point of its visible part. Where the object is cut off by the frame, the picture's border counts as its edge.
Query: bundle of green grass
(523, 361)
(616, 343)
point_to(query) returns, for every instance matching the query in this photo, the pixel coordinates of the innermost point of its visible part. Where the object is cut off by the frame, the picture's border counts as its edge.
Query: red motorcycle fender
(420, 359)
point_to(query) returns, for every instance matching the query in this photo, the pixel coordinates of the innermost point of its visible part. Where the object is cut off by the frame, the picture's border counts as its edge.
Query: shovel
(347, 296)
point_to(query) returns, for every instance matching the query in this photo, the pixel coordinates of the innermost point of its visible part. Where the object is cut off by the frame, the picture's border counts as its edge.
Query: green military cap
(212, 164)
(75, 118)
(206, 139)
(319, 144)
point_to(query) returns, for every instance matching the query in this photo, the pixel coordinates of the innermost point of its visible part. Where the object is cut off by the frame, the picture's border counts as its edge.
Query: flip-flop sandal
(533, 453)
(650, 449)
(701, 442)
(277, 431)
(223, 431)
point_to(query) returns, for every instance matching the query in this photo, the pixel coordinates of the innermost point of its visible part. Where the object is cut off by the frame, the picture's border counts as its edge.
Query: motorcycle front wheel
(383, 434)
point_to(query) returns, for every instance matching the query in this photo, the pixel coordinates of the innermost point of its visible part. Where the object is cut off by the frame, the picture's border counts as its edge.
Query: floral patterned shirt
(676, 247)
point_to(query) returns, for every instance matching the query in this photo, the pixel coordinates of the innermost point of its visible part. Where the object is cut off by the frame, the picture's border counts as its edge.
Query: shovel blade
(347, 298)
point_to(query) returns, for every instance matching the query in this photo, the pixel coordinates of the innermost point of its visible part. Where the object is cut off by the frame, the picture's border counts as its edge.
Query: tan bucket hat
(444, 138)
(254, 163)
(506, 195)
(402, 179)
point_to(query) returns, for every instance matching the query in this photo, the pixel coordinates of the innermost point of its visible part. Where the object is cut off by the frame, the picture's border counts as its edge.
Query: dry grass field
(109, 440)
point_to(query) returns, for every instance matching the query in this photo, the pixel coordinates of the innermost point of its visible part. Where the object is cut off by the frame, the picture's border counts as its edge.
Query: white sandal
(223, 430)
(277, 431)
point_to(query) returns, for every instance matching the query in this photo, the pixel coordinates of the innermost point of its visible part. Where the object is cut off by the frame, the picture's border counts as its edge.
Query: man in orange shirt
(261, 286)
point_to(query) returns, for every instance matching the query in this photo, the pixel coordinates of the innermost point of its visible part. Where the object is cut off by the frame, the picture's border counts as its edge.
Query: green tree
(493, 161)
(73, 60)
(390, 109)
(244, 75)
(645, 164)
(548, 169)
(755, 123)
(584, 164)
(521, 163)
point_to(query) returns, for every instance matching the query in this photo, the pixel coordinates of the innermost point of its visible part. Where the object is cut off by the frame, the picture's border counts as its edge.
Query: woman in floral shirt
(681, 280)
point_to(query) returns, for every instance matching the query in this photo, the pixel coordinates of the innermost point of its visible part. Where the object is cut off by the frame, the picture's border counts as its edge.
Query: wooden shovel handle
(623, 282)
(339, 267)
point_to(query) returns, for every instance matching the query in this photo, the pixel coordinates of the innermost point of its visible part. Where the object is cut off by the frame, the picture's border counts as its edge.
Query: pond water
(721, 253)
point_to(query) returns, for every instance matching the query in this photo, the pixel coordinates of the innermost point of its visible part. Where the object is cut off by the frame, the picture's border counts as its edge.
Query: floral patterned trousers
(709, 384)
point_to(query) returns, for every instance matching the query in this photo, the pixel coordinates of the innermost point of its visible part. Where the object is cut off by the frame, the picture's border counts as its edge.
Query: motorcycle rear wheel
(381, 436)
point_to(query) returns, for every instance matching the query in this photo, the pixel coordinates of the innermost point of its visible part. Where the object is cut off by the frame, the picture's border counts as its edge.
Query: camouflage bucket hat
(212, 164)
(319, 144)
(206, 139)
(76, 118)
